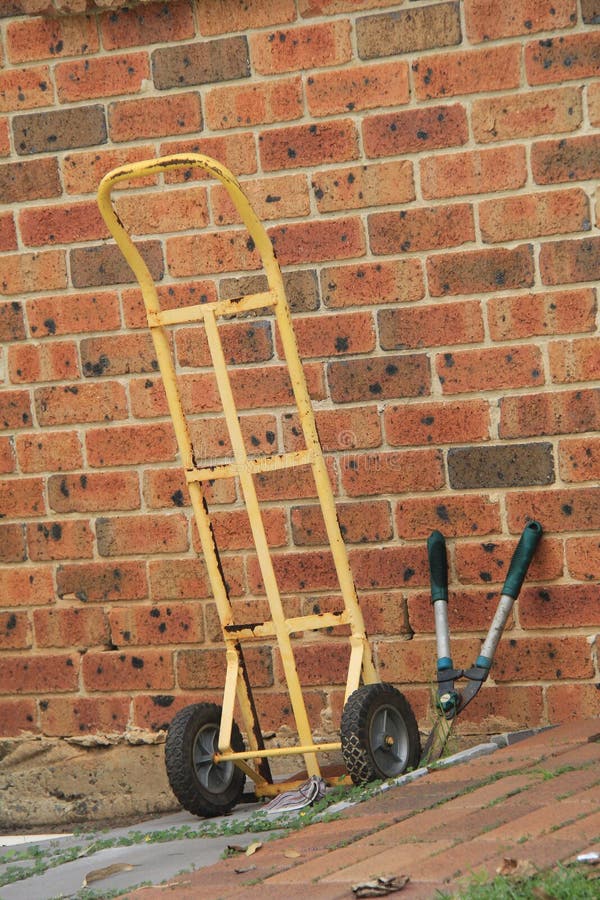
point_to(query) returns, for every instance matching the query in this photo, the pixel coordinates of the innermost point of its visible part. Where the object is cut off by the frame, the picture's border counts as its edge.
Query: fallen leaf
(291, 854)
(252, 848)
(235, 848)
(242, 871)
(516, 868)
(106, 872)
(380, 886)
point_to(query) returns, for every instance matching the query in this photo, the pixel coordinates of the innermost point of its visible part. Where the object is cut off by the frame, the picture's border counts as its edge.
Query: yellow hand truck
(206, 759)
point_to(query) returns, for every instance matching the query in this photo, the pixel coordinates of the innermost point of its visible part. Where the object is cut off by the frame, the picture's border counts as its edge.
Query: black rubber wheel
(202, 787)
(380, 737)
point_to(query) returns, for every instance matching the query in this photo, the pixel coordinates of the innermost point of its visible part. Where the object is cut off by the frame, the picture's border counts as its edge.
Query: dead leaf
(252, 848)
(516, 868)
(242, 871)
(235, 848)
(380, 886)
(291, 854)
(106, 872)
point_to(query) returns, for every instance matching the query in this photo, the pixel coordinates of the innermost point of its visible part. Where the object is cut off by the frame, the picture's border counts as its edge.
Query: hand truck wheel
(379, 733)
(203, 787)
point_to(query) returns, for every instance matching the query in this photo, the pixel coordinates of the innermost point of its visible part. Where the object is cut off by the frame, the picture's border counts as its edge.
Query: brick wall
(426, 171)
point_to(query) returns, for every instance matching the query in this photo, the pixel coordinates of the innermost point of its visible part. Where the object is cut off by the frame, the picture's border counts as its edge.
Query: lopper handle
(438, 566)
(521, 559)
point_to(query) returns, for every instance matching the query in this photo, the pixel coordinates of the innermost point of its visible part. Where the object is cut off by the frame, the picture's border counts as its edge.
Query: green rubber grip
(521, 559)
(438, 566)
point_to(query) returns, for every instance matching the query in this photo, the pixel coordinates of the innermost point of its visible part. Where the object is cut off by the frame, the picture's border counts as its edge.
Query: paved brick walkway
(537, 800)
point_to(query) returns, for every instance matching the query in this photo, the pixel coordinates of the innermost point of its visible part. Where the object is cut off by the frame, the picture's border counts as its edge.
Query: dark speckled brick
(511, 465)
(202, 63)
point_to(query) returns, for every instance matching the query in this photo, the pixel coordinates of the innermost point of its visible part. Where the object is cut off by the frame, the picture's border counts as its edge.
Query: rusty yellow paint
(236, 680)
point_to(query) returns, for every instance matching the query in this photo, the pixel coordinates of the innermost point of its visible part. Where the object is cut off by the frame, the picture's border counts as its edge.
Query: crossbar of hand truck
(186, 314)
(278, 751)
(255, 466)
(313, 622)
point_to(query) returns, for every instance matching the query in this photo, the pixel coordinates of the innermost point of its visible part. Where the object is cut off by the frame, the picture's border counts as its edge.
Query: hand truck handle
(521, 559)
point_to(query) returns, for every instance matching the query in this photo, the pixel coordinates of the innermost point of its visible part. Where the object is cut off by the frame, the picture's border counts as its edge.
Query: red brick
(8, 232)
(359, 523)
(334, 335)
(385, 612)
(12, 325)
(16, 409)
(25, 272)
(542, 658)
(29, 180)
(163, 212)
(308, 145)
(128, 535)
(556, 604)
(312, 570)
(255, 104)
(210, 440)
(26, 585)
(52, 452)
(24, 497)
(296, 49)
(232, 529)
(148, 399)
(527, 114)
(69, 539)
(437, 423)
(118, 355)
(243, 342)
(180, 579)
(318, 663)
(565, 701)
(54, 361)
(486, 21)
(473, 172)
(27, 674)
(427, 228)
(25, 88)
(236, 151)
(467, 611)
(229, 15)
(393, 472)
(83, 171)
(74, 313)
(572, 56)
(488, 562)
(102, 581)
(390, 567)
(538, 414)
(533, 215)
(593, 99)
(271, 385)
(319, 240)
(415, 130)
(442, 324)
(5, 138)
(153, 23)
(179, 623)
(64, 717)
(212, 252)
(359, 186)
(154, 713)
(154, 117)
(104, 264)
(271, 198)
(458, 516)
(579, 459)
(101, 77)
(567, 159)
(476, 271)
(12, 544)
(490, 369)
(7, 456)
(45, 225)
(121, 671)
(72, 627)
(377, 379)
(407, 662)
(48, 38)
(15, 631)
(561, 510)
(583, 556)
(97, 491)
(575, 360)
(67, 404)
(17, 716)
(167, 488)
(362, 87)
(372, 283)
(501, 707)
(467, 72)
(563, 262)
(60, 129)
(206, 668)
(275, 710)
(560, 312)
(339, 429)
